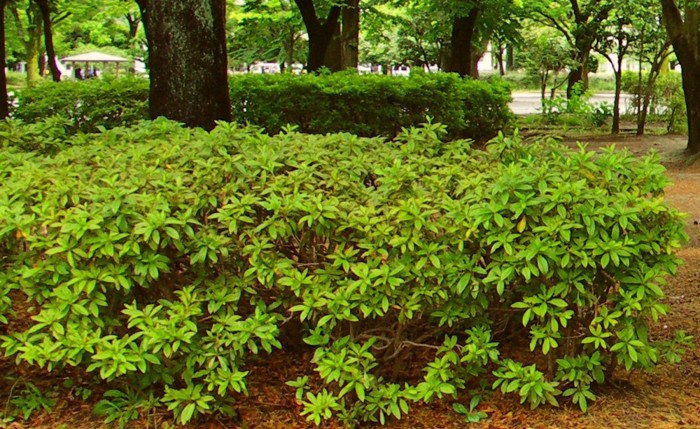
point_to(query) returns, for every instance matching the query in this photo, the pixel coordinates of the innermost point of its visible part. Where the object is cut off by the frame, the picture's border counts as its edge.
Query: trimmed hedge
(371, 105)
(163, 259)
(89, 105)
(363, 105)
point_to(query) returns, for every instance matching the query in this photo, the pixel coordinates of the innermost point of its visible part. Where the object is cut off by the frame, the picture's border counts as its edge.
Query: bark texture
(187, 60)
(684, 37)
(4, 106)
(350, 36)
(460, 58)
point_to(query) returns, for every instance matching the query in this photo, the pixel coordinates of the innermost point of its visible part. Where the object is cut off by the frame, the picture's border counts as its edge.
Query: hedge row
(362, 105)
(162, 260)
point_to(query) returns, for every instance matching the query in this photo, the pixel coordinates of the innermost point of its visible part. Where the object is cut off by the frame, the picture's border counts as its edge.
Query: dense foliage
(88, 105)
(363, 105)
(162, 259)
(371, 105)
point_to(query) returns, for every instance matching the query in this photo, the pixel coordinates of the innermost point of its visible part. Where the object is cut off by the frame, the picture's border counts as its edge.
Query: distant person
(95, 72)
(79, 73)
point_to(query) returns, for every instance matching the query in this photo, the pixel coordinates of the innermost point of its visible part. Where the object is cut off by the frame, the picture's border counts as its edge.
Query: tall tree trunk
(684, 38)
(289, 50)
(460, 60)
(48, 39)
(510, 58)
(579, 73)
(351, 34)
(616, 103)
(333, 59)
(32, 44)
(133, 22)
(187, 60)
(320, 34)
(4, 105)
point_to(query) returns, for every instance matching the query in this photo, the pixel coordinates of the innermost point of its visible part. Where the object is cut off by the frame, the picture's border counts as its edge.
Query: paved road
(525, 103)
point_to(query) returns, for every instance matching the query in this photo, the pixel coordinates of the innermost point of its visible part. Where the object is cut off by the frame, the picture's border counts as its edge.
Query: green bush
(363, 105)
(163, 259)
(89, 105)
(370, 105)
(667, 98)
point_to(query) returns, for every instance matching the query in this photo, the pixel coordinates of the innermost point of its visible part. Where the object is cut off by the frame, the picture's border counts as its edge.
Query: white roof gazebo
(95, 57)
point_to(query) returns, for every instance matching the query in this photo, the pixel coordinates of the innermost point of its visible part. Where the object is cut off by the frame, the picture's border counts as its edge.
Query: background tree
(321, 32)
(581, 22)
(269, 31)
(187, 60)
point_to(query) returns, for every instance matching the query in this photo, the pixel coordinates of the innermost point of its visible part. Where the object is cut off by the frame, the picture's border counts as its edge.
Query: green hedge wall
(371, 105)
(362, 105)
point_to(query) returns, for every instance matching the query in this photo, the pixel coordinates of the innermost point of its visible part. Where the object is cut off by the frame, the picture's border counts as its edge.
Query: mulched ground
(668, 398)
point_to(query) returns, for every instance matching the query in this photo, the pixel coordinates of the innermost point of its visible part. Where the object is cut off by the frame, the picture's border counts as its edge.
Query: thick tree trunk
(510, 58)
(460, 60)
(320, 34)
(333, 59)
(4, 105)
(48, 39)
(691, 88)
(351, 35)
(685, 42)
(33, 45)
(579, 73)
(187, 60)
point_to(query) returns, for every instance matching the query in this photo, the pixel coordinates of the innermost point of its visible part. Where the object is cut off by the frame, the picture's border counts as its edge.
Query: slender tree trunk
(48, 39)
(133, 22)
(460, 60)
(187, 60)
(320, 34)
(4, 105)
(501, 62)
(289, 50)
(616, 103)
(351, 34)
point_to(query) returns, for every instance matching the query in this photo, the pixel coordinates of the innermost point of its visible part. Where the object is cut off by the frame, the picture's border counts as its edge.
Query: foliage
(164, 259)
(370, 105)
(667, 98)
(89, 105)
(578, 105)
(363, 105)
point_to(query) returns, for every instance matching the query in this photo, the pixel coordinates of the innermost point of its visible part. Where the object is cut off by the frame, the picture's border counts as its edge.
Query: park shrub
(666, 97)
(371, 105)
(165, 261)
(363, 105)
(89, 105)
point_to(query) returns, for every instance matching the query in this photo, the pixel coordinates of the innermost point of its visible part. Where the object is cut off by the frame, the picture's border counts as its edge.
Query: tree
(474, 22)
(4, 105)
(187, 60)
(682, 27)
(48, 38)
(269, 30)
(581, 22)
(321, 34)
